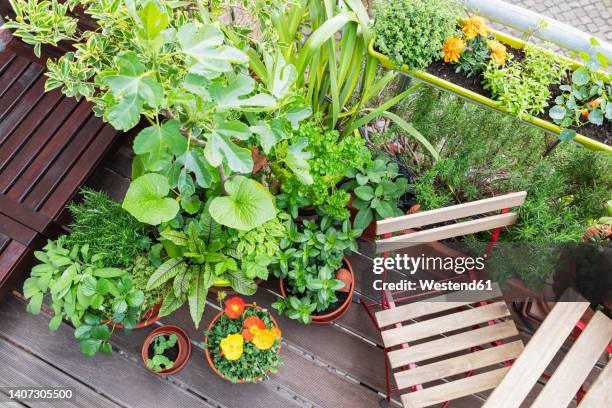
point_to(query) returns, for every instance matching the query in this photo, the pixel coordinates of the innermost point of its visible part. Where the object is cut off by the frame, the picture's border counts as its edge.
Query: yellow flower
(453, 48)
(276, 332)
(264, 339)
(232, 346)
(474, 26)
(498, 52)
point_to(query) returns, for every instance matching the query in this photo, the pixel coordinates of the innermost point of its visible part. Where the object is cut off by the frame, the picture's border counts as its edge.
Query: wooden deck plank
(538, 353)
(577, 364)
(434, 305)
(22, 83)
(444, 324)
(458, 365)
(452, 344)
(39, 140)
(21, 369)
(456, 389)
(113, 376)
(298, 375)
(12, 72)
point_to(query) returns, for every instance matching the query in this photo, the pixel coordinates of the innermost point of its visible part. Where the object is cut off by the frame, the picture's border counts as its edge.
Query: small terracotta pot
(335, 314)
(184, 346)
(150, 316)
(207, 353)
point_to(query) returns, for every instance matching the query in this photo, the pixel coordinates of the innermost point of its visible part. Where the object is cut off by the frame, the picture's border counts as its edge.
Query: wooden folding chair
(571, 373)
(393, 321)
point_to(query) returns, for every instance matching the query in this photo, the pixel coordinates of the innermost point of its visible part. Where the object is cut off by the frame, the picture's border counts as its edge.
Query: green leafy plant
(332, 159)
(377, 188)
(412, 32)
(84, 291)
(109, 231)
(475, 57)
(308, 261)
(523, 87)
(161, 344)
(586, 99)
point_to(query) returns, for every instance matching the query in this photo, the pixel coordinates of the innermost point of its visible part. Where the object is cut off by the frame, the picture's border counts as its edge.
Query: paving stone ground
(590, 16)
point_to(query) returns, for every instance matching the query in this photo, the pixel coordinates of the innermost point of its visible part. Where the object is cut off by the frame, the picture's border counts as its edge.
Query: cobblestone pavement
(590, 16)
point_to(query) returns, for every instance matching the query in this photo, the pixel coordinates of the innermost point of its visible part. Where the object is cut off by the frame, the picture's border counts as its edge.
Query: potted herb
(166, 350)
(377, 190)
(242, 343)
(316, 280)
(84, 291)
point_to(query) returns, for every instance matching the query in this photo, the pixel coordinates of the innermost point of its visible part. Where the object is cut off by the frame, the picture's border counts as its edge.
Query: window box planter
(438, 82)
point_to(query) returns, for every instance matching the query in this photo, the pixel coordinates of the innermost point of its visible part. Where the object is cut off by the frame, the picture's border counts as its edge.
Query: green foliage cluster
(523, 87)
(310, 256)
(83, 291)
(412, 32)
(475, 57)
(378, 189)
(109, 230)
(332, 159)
(586, 99)
(140, 272)
(159, 362)
(254, 363)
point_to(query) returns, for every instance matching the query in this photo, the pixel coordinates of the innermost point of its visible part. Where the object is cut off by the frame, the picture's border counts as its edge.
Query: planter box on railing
(484, 100)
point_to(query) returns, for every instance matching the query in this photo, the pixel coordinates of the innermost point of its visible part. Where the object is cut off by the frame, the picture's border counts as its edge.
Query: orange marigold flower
(276, 332)
(498, 52)
(474, 26)
(453, 48)
(263, 339)
(234, 307)
(250, 326)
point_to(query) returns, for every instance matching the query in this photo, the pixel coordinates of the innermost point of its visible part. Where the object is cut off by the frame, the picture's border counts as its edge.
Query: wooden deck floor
(339, 365)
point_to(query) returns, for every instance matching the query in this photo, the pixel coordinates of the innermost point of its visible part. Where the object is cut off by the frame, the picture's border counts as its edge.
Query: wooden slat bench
(49, 145)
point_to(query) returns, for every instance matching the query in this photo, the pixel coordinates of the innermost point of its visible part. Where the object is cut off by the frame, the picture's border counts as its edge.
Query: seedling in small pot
(165, 352)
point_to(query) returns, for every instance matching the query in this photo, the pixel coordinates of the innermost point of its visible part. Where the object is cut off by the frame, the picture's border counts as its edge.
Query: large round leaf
(146, 200)
(247, 205)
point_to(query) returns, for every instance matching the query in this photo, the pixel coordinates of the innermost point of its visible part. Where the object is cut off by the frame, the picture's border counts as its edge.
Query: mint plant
(83, 291)
(159, 362)
(307, 263)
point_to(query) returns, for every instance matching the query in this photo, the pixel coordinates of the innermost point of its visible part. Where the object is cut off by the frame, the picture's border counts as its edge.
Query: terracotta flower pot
(150, 316)
(207, 353)
(183, 343)
(339, 312)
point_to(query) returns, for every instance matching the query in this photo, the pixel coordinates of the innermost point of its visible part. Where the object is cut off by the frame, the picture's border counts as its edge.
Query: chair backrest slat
(445, 232)
(599, 394)
(538, 354)
(458, 211)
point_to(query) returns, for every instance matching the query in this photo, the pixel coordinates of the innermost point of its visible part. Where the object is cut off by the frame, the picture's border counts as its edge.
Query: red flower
(250, 326)
(234, 307)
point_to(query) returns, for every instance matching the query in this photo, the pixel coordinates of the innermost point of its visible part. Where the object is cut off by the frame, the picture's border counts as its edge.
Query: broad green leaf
(268, 137)
(283, 77)
(364, 192)
(297, 161)
(567, 134)
(55, 323)
(165, 272)
(108, 272)
(153, 21)
(170, 304)
(580, 76)
(234, 94)
(204, 46)
(146, 200)
(185, 184)
(194, 162)
(90, 347)
(35, 304)
(241, 284)
(296, 114)
(247, 205)
(198, 290)
(239, 159)
(159, 139)
(135, 298)
(191, 204)
(363, 218)
(557, 112)
(596, 117)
